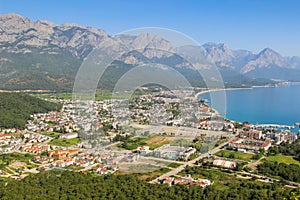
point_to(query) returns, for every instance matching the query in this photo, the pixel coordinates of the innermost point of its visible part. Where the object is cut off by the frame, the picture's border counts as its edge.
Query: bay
(267, 105)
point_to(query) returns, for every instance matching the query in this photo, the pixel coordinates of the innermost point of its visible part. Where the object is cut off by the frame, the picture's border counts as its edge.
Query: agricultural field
(283, 159)
(157, 141)
(151, 172)
(152, 141)
(235, 155)
(146, 169)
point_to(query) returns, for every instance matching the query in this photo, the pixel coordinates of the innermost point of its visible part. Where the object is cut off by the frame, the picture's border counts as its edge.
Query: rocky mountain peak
(219, 53)
(58, 49)
(266, 58)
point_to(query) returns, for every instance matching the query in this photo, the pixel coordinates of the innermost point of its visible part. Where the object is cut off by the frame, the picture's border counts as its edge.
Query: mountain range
(44, 55)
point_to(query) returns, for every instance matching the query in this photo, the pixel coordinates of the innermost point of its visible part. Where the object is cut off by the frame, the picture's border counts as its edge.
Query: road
(162, 160)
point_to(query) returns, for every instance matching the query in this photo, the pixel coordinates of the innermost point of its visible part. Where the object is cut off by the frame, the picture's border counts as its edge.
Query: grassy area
(99, 96)
(9, 171)
(152, 141)
(152, 175)
(221, 178)
(73, 167)
(134, 143)
(173, 165)
(283, 159)
(51, 134)
(143, 171)
(5, 179)
(235, 155)
(7, 159)
(157, 141)
(64, 142)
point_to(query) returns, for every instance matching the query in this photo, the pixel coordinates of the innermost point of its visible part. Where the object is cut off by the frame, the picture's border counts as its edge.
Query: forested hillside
(16, 108)
(72, 185)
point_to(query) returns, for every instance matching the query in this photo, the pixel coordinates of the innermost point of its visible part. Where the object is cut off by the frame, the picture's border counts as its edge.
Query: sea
(261, 105)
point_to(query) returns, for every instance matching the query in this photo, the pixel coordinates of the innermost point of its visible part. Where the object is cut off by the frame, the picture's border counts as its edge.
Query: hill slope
(16, 108)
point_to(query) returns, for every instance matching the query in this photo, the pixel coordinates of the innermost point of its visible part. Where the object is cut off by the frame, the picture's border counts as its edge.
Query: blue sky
(242, 24)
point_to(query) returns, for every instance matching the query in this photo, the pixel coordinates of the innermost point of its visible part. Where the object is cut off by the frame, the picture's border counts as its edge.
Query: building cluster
(113, 158)
(103, 169)
(52, 121)
(102, 162)
(27, 142)
(168, 152)
(216, 125)
(172, 109)
(35, 148)
(224, 164)
(186, 180)
(70, 157)
(270, 136)
(249, 144)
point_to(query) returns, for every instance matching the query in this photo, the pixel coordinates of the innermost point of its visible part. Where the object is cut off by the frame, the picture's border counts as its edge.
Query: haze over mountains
(44, 55)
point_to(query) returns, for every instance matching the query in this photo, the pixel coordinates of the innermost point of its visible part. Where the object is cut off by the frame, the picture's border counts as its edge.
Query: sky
(241, 24)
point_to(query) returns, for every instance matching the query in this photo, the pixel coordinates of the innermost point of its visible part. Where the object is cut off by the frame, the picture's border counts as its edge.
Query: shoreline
(220, 89)
(291, 127)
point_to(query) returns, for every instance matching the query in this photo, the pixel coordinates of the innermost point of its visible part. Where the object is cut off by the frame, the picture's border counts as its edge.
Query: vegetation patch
(236, 155)
(7, 159)
(285, 171)
(227, 183)
(283, 159)
(72, 185)
(157, 141)
(16, 108)
(149, 176)
(64, 142)
(174, 165)
(133, 143)
(51, 134)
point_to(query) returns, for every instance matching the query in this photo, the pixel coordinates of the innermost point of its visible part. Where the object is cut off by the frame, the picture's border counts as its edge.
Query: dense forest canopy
(72, 185)
(286, 148)
(16, 108)
(288, 172)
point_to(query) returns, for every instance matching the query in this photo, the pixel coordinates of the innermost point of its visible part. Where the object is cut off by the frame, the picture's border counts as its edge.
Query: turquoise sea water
(271, 105)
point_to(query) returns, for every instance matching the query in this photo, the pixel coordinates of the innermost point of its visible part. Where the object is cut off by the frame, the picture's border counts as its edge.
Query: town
(158, 130)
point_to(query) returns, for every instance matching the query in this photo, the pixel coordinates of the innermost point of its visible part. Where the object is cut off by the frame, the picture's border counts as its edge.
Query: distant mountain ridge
(44, 55)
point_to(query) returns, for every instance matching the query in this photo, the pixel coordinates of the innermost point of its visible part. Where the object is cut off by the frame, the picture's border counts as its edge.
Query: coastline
(293, 128)
(220, 89)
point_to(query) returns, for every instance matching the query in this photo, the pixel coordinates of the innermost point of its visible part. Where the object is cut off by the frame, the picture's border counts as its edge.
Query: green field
(157, 141)
(173, 165)
(235, 155)
(283, 159)
(223, 179)
(64, 142)
(148, 176)
(134, 143)
(7, 159)
(99, 96)
(152, 141)
(51, 134)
